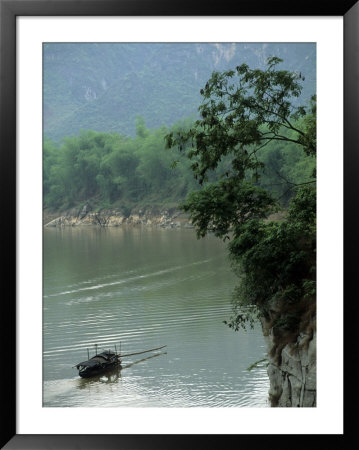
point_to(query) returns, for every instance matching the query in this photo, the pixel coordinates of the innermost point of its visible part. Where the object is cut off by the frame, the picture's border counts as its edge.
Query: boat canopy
(106, 355)
(95, 360)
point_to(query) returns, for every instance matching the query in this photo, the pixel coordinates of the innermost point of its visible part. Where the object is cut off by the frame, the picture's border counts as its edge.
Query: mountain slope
(105, 86)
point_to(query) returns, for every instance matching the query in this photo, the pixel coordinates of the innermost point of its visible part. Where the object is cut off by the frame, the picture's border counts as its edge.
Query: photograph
(179, 208)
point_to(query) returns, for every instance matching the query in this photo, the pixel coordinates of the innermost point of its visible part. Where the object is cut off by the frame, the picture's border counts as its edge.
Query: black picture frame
(9, 10)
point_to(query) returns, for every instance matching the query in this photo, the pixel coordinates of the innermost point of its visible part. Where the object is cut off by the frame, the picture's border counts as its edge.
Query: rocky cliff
(292, 357)
(293, 381)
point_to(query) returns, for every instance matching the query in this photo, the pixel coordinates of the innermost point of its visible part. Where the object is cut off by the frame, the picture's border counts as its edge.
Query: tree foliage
(249, 130)
(113, 170)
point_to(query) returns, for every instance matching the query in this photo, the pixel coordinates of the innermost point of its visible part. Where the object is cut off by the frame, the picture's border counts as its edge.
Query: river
(140, 288)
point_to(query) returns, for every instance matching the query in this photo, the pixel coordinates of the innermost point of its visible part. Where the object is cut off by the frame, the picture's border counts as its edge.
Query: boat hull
(93, 372)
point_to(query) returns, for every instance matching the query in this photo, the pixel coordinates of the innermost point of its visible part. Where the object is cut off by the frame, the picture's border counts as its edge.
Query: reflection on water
(110, 376)
(144, 288)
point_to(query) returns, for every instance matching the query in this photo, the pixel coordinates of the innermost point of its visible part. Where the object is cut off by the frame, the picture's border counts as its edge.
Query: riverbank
(166, 218)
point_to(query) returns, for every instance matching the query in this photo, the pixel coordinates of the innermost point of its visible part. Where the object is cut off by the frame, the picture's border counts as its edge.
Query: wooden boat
(104, 361)
(98, 364)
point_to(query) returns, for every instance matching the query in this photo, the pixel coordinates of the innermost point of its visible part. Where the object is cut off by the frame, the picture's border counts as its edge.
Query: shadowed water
(140, 288)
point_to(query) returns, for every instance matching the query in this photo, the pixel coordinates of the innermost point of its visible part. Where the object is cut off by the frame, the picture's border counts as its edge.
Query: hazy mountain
(104, 87)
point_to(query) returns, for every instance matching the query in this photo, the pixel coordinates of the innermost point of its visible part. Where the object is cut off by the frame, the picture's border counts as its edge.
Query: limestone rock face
(115, 218)
(293, 375)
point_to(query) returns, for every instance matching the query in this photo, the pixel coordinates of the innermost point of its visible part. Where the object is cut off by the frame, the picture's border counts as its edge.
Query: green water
(140, 288)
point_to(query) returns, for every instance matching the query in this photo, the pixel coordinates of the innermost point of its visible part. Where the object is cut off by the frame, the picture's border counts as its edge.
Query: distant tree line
(113, 170)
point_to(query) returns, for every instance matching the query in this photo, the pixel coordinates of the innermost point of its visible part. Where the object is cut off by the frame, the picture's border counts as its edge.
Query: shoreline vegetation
(108, 174)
